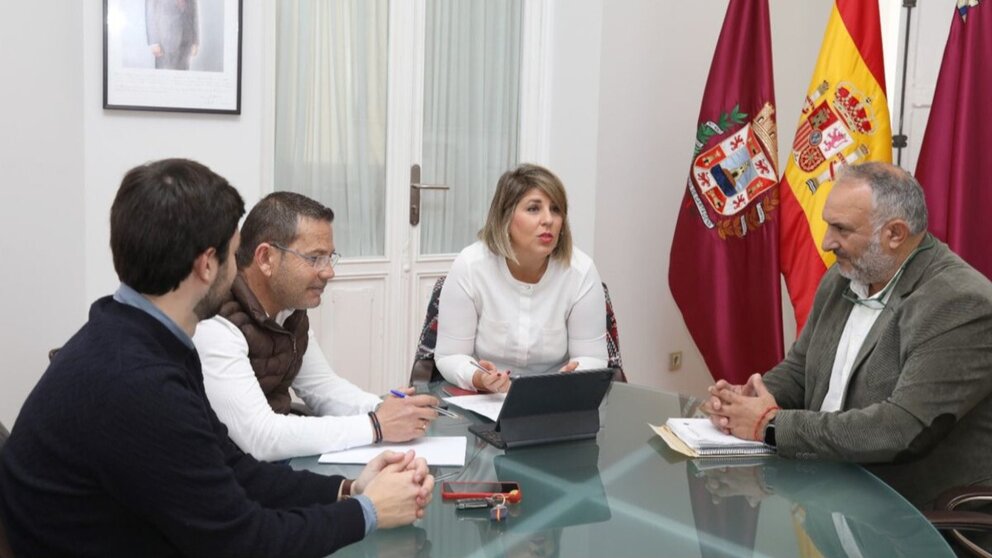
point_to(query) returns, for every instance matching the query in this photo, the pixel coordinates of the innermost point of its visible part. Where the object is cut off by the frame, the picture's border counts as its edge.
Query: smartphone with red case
(486, 489)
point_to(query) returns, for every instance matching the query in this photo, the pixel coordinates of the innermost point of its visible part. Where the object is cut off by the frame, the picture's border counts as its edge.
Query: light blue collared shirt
(131, 297)
(368, 510)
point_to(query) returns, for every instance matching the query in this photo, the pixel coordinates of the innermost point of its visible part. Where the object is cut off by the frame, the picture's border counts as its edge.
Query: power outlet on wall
(674, 361)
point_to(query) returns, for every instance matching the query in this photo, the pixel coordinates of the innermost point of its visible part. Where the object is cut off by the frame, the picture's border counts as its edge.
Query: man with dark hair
(116, 451)
(260, 345)
(894, 367)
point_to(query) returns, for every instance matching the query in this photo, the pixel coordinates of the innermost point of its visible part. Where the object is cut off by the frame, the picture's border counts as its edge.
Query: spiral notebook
(697, 437)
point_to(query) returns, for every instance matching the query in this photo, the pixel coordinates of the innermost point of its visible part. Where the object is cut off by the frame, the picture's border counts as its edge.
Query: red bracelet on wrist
(761, 419)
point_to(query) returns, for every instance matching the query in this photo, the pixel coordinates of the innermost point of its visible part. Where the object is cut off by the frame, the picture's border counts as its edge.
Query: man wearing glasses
(260, 345)
(894, 367)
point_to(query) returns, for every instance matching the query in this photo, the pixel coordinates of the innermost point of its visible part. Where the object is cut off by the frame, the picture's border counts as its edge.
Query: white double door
(371, 93)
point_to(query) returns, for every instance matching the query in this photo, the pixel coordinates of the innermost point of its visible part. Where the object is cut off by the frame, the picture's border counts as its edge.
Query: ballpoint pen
(440, 410)
(486, 370)
(479, 366)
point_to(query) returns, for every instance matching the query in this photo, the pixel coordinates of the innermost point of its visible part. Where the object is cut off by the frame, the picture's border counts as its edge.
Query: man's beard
(873, 266)
(210, 304)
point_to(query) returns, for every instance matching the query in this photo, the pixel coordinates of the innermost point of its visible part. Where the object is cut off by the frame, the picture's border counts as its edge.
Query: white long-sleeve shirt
(859, 323)
(526, 328)
(235, 395)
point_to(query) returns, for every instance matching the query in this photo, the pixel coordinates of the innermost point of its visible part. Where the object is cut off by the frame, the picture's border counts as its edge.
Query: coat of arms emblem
(827, 138)
(733, 174)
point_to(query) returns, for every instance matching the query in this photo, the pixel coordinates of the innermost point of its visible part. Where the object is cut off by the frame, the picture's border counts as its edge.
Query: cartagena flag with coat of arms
(724, 265)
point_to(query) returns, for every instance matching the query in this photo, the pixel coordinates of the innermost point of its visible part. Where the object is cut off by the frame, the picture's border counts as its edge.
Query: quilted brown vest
(276, 352)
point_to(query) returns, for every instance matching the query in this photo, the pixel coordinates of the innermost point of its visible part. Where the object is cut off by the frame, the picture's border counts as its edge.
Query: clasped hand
(728, 482)
(737, 409)
(399, 486)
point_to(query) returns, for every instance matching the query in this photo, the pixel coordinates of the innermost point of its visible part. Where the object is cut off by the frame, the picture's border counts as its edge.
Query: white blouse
(526, 328)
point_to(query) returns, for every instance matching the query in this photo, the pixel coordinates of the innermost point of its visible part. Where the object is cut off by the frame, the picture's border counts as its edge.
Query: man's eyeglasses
(318, 262)
(878, 301)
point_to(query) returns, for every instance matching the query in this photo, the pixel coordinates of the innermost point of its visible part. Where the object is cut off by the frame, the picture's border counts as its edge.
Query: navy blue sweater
(117, 452)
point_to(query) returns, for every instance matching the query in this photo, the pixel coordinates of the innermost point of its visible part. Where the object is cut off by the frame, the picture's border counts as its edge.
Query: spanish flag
(844, 120)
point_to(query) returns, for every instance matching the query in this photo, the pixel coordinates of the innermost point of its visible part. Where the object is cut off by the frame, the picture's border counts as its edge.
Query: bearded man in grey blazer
(893, 369)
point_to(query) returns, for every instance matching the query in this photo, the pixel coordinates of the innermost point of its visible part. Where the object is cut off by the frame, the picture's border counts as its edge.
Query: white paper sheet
(437, 450)
(486, 404)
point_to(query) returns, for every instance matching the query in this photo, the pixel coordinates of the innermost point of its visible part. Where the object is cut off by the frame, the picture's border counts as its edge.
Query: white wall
(116, 140)
(625, 84)
(62, 158)
(573, 137)
(931, 26)
(41, 163)
(654, 63)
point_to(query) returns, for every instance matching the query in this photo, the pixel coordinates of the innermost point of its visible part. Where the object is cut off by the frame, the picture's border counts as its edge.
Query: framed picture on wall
(172, 55)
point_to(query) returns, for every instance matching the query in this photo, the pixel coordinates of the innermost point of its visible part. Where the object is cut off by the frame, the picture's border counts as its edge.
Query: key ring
(498, 511)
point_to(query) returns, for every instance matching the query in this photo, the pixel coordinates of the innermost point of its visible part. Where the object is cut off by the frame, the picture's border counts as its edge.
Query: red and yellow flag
(845, 120)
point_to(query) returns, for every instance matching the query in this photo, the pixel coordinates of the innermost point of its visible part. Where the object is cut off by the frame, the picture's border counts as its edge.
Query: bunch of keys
(496, 503)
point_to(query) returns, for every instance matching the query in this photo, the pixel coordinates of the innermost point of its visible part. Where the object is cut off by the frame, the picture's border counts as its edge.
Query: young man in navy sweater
(117, 451)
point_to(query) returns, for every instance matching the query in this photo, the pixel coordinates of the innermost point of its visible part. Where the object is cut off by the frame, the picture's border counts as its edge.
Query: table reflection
(627, 494)
(835, 508)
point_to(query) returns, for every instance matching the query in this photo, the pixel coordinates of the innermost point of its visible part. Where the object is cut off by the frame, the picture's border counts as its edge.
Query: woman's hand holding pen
(488, 378)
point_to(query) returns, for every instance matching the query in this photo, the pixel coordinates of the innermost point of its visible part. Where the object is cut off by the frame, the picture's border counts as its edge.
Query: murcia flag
(951, 166)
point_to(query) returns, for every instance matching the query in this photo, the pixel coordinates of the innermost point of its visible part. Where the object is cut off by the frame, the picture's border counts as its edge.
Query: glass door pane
(471, 114)
(330, 136)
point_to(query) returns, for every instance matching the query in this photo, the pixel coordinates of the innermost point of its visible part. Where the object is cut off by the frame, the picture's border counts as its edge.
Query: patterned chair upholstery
(424, 370)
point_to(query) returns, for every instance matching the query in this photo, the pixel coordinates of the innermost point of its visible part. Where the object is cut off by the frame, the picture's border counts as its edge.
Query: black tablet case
(546, 408)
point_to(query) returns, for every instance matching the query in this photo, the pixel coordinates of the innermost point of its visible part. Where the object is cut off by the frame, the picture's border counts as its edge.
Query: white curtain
(471, 114)
(331, 67)
(330, 139)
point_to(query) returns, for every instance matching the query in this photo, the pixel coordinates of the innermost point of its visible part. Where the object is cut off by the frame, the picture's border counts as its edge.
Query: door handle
(415, 187)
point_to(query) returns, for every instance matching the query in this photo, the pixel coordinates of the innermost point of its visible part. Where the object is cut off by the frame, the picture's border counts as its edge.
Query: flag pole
(900, 141)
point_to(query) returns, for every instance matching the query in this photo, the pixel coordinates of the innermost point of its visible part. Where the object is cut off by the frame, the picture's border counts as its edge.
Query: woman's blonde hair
(510, 189)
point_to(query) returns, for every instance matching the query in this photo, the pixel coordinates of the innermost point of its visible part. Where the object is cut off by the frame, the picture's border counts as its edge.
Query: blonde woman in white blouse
(522, 299)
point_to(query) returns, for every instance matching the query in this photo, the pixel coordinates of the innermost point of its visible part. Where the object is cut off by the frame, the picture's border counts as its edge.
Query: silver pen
(440, 411)
(479, 366)
(486, 370)
(445, 412)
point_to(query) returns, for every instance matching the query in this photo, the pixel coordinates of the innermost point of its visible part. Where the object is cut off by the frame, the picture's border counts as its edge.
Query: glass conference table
(627, 494)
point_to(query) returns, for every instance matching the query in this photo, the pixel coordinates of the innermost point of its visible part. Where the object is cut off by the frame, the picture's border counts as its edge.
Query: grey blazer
(918, 406)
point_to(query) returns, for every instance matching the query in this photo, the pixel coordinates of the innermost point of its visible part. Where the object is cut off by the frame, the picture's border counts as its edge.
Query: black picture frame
(172, 55)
